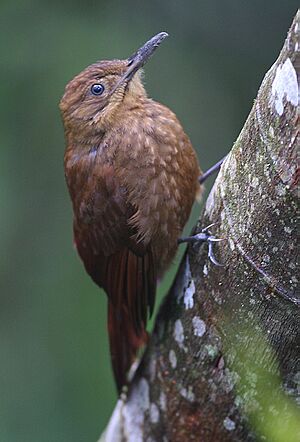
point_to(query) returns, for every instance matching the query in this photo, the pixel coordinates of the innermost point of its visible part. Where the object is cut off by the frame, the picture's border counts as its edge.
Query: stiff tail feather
(130, 285)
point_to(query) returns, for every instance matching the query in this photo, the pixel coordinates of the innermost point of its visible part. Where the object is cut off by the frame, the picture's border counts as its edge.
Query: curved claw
(211, 255)
(213, 239)
(204, 235)
(208, 227)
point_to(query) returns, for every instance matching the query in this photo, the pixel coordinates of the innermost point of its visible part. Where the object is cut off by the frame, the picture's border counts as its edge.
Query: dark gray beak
(141, 56)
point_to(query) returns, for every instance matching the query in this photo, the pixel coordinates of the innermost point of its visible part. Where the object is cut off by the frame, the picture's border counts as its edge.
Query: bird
(133, 176)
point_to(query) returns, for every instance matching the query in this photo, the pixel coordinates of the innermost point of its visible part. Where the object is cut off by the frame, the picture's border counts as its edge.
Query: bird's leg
(204, 235)
(211, 170)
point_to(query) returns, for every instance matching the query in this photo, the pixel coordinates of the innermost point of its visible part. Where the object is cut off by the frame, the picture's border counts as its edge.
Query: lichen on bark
(225, 335)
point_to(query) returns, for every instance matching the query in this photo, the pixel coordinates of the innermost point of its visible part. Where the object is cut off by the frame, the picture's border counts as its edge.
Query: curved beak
(141, 56)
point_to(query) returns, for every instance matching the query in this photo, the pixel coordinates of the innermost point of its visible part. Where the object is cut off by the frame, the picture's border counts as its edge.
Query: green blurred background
(55, 378)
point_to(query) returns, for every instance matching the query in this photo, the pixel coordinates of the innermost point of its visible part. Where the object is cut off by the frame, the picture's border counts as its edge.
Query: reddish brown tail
(124, 343)
(130, 284)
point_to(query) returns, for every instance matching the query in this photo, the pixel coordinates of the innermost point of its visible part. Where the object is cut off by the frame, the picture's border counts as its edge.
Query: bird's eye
(97, 89)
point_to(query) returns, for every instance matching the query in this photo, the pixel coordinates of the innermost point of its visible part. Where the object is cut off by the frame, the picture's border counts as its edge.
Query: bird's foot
(204, 235)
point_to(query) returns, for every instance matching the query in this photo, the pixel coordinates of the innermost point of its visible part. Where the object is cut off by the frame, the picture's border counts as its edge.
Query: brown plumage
(132, 175)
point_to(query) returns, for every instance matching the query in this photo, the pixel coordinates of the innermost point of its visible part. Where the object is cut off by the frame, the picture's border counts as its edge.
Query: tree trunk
(223, 361)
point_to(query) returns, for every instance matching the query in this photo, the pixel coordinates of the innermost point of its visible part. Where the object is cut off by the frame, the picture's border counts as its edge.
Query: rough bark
(224, 335)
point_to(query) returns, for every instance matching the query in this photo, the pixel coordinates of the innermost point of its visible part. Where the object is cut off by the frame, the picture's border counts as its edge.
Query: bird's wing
(124, 267)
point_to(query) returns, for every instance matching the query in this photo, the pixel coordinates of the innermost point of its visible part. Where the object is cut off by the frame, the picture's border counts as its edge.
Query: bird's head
(93, 98)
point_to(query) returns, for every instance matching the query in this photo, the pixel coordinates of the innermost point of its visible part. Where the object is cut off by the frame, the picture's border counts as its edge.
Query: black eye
(97, 89)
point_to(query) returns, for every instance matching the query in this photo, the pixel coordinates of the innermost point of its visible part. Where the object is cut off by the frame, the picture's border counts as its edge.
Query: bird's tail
(131, 290)
(124, 343)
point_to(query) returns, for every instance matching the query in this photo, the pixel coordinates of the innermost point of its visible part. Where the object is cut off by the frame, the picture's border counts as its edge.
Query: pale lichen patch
(199, 326)
(211, 350)
(185, 286)
(183, 281)
(188, 393)
(266, 260)
(288, 174)
(188, 298)
(284, 86)
(163, 401)
(178, 333)
(280, 190)
(113, 431)
(231, 244)
(271, 131)
(229, 424)
(134, 411)
(172, 358)
(154, 413)
(254, 181)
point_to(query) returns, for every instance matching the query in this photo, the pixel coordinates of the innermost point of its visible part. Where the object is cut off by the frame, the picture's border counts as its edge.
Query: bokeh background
(55, 378)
